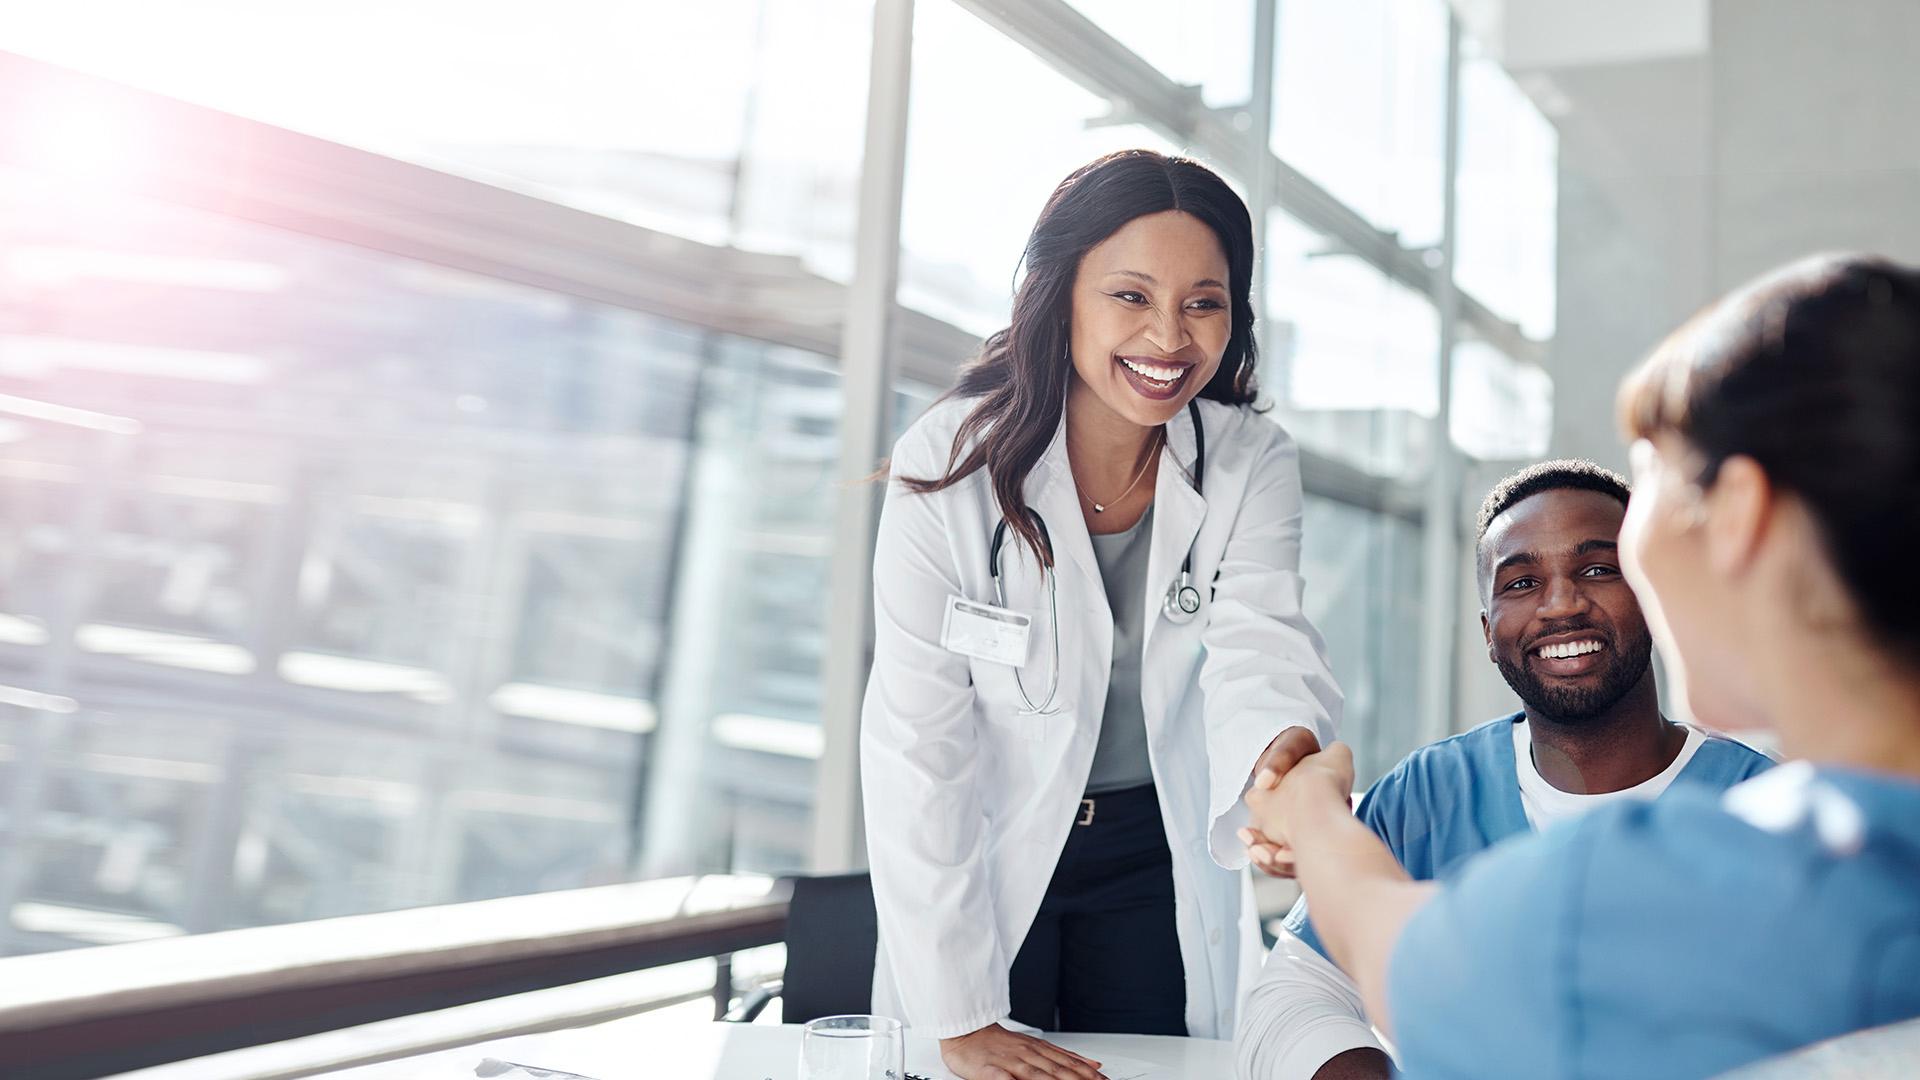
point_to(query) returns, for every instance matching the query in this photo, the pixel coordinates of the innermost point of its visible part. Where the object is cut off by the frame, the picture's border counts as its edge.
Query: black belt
(1141, 796)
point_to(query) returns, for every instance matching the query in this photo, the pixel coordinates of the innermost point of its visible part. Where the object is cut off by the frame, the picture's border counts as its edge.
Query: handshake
(1293, 779)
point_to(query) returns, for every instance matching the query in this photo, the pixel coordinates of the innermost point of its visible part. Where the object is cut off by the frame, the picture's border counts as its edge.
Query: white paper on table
(701, 1053)
(1126, 1068)
(495, 1069)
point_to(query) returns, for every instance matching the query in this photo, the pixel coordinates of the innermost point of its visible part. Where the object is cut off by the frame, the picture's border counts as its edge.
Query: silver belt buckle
(1086, 812)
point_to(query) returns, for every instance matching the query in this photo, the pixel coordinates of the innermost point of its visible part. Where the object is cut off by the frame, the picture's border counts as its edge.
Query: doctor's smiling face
(1561, 623)
(1152, 317)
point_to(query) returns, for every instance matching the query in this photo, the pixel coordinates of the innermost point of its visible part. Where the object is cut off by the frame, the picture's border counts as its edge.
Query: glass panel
(1502, 409)
(1360, 106)
(1208, 44)
(910, 399)
(1348, 354)
(982, 157)
(1362, 573)
(753, 135)
(733, 785)
(374, 608)
(1508, 194)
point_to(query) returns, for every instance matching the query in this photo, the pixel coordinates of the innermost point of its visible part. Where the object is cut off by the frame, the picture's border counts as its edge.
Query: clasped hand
(1293, 774)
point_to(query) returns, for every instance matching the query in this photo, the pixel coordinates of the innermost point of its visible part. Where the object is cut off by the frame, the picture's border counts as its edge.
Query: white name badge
(985, 632)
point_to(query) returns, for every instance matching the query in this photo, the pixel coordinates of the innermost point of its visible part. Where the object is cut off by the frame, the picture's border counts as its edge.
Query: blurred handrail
(67, 415)
(89, 1012)
(194, 156)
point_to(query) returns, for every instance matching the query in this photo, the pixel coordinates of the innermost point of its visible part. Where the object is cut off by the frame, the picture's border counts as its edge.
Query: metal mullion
(866, 382)
(1266, 18)
(1440, 592)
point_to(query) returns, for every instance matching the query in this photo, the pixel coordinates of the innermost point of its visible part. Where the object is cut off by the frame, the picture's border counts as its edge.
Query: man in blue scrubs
(1568, 636)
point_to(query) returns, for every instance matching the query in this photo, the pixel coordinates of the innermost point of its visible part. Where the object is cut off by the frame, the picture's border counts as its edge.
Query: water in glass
(853, 1048)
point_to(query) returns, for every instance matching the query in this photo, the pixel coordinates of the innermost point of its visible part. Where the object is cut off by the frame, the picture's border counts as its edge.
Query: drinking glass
(853, 1048)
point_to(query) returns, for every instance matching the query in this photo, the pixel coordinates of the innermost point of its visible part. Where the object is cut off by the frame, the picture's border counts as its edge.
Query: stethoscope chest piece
(1183, 600)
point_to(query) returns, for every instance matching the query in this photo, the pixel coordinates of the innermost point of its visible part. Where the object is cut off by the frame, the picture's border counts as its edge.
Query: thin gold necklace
(1101, 507)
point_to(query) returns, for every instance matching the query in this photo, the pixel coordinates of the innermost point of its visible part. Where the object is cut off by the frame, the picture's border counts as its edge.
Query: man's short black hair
(1559, 475)
(1565, 473)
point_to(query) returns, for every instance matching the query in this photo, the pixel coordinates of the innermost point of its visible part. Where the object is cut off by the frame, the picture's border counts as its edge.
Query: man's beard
(1556, 701)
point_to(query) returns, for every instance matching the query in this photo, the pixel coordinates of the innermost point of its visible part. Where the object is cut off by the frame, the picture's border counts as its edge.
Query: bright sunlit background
(419, 420)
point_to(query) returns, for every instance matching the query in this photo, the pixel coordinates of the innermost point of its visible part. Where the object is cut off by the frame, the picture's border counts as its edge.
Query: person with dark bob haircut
(1774, 517)
(1088, 641)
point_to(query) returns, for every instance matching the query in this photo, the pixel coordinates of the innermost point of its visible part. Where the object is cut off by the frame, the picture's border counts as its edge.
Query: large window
(385, 600)
(420, 447)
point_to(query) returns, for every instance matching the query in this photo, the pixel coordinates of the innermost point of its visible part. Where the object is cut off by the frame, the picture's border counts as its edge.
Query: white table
(618, 1050)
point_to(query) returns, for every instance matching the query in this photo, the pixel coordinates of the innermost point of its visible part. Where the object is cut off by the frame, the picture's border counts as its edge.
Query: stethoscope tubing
(1182, 603)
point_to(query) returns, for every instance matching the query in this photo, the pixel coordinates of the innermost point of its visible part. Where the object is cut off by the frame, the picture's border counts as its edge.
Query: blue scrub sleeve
(1479, 984)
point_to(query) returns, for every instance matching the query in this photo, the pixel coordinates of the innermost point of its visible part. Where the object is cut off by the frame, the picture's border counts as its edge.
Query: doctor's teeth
(1568, 650)
(1154, 371)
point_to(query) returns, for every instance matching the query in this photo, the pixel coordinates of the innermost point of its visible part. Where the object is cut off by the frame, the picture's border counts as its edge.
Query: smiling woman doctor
(1088, 635)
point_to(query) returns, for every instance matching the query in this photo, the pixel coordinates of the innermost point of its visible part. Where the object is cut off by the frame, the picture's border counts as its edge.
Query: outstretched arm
(1360, 896)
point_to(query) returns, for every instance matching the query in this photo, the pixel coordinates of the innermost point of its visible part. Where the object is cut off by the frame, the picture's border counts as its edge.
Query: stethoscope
(1182, 602)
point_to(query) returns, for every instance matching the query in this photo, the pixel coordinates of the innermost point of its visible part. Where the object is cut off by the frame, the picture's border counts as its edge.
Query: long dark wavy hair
(1020, 376)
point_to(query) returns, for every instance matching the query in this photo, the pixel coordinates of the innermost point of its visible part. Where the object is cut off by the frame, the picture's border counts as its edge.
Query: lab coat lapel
(1177, 514)
(1086, 620)
(1051, 491)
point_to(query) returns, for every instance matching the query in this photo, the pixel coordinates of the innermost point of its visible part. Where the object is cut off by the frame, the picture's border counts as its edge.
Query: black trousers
(1103, 954)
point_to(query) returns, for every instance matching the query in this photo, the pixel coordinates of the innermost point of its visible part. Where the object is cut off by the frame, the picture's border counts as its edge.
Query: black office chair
(831, 934)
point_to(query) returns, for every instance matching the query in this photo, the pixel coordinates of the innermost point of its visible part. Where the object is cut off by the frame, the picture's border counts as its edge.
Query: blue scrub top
(1455, 798)
(1677, 938)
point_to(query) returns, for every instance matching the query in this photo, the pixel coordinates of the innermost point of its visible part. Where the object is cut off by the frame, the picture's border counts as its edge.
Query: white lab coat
(969, 800)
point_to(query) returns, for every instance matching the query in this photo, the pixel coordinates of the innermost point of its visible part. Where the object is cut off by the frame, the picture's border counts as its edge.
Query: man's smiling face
(1561, 623)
